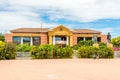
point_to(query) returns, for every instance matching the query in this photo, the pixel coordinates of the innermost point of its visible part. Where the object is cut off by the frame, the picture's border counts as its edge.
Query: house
(59, 35)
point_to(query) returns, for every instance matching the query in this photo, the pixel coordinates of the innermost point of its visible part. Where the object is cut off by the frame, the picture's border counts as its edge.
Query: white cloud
(19, 13)
(82, 10)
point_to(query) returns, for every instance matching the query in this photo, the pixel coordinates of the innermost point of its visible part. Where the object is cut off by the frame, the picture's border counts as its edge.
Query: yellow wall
(25, 34)
(60, 31)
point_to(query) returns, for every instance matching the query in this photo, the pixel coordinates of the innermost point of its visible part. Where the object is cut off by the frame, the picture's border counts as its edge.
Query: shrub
(86, 52)
(85, 43)
(42, 52)
(90, 51)
(23, 48)
(2, 38)
(64, 52)
(2, 48)
(10, 51)
(105, 52)
(7, 50)
(50, 51)
(75, 47)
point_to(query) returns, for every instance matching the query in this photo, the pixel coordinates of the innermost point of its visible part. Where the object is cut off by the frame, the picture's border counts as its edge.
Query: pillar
(21, 42)
(84, 39)
(50, 40)
(31, 41)
(53, 40)
(67, 41)
(71, 40)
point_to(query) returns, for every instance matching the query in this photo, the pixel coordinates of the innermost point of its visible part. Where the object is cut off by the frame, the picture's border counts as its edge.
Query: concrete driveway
(60, 69)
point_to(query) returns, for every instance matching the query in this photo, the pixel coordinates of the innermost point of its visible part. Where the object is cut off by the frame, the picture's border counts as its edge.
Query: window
(16, 40)
(88, 38)
(99, 39)
(36, 40)
(26, 40)
(79, 39)
(60, 38)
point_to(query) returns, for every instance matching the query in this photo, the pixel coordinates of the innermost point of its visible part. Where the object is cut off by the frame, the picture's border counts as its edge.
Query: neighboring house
(59, 35)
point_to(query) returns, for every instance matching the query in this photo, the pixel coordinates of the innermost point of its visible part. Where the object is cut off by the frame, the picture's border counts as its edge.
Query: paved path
(60, 69)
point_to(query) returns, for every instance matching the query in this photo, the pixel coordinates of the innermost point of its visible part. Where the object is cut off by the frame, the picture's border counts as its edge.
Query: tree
(2, 37)
(116, 41)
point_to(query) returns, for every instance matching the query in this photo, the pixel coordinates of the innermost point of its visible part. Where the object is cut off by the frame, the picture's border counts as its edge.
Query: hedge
(51, 52)
(90, 51)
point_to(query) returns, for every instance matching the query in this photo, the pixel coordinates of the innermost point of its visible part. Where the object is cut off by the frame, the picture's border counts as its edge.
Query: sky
(101, 15)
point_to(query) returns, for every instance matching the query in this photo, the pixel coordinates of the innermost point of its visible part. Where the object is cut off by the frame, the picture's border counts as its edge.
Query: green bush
(64, 52)
(23, 48)
(7, 50)
(10, 51)
(90, 51)
(50, 51)
(2, 38)
(42, 52)
(105, 52)
(85, 43)
(86, 52)
(2, 48)
(75, 47)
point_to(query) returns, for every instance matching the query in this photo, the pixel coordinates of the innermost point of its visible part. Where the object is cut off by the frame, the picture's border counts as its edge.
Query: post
(84, 39)
(31, 41)
(21, 42)
(67, 41)
(53, 40)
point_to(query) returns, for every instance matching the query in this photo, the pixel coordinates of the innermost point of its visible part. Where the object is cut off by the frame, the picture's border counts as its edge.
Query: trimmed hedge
(51, 52)
(90, 51)
(65, 52)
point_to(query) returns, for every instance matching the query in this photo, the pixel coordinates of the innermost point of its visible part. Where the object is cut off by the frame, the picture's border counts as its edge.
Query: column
(31, 41)
(84, 39)
(53, 40)
(92, 39)
(71, 40)
(50, 40)
(21, 40)
(67, 41)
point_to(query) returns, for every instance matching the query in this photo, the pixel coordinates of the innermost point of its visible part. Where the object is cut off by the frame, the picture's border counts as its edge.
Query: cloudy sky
(102, 15)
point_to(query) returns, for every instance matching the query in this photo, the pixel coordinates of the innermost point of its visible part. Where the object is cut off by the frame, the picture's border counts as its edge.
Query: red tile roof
(47, 29)
(30, 30)
(85, 31)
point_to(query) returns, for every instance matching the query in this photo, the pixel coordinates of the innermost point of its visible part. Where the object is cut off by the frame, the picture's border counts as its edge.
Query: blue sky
(102, 15)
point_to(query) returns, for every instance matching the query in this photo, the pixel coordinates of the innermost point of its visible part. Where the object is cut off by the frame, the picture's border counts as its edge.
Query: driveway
(60, 69)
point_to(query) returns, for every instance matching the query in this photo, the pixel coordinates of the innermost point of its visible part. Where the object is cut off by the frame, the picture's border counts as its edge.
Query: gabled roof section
(86, 31)
(62, 27)
(30, 30)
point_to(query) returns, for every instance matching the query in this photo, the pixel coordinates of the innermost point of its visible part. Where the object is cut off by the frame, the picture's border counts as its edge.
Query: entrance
(60, 41)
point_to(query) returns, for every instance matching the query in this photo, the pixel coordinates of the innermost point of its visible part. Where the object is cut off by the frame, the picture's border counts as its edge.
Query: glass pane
(26, 40)
(16, 39)
(36, 40)
(79, 39)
